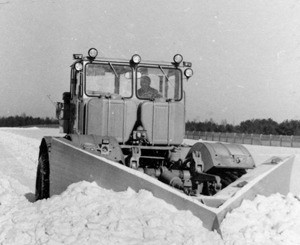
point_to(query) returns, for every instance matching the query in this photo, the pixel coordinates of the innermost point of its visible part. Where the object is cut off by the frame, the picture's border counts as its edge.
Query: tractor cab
(134, 101)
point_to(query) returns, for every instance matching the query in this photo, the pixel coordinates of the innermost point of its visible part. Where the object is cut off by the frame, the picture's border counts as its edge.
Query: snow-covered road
(88, 214)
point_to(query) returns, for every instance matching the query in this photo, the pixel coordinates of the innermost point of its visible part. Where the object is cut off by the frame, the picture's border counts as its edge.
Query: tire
(42, 176)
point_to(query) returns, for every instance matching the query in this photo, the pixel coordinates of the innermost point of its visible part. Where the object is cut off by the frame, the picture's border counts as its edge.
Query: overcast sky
(245, 54)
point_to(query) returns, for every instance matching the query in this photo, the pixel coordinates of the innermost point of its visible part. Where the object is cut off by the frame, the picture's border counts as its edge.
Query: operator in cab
(146, 91)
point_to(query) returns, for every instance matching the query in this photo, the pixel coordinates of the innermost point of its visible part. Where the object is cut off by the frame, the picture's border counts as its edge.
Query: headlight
(188, 72)
(178, 58)
(78, 66)
(139, 134)
(136, 59)
(93, 53)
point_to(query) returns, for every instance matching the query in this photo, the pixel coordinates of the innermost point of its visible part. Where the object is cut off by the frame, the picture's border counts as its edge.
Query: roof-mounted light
(177, 59)
(93, 53)
(188, 72)
(187, 64)
(78, 66)
(77, 56)
(136, 59)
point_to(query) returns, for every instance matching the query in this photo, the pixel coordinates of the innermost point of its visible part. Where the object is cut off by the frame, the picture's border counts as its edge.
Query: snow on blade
(88, 214)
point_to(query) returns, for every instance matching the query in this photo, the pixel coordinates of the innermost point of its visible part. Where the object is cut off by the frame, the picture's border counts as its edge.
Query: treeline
(23, 120)
(253, 126)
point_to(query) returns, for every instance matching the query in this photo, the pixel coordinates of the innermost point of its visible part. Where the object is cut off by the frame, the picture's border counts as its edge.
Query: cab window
(102, 79)
(159, 82)
(76, 79)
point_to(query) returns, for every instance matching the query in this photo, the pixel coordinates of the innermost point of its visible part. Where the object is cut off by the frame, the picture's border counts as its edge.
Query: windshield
(159, 82)
(103, 79)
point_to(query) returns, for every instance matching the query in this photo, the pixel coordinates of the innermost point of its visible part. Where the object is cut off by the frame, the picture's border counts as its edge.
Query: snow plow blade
(69, 164)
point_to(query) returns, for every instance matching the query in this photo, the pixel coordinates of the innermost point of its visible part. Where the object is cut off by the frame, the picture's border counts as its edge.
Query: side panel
(164, 122)
(176, 122)
(80, 118)
(154, 117)
(97, 111)
(65, 113)
(108, 117)
(130, 118)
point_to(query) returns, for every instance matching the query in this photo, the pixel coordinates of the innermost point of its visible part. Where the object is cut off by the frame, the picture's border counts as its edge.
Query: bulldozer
(124, 126)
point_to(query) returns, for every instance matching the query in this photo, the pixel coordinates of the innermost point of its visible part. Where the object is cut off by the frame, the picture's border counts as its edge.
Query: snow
(272, 220)
(88, 214)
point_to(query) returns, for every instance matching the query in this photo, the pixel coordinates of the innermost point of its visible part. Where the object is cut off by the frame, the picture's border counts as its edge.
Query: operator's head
(145, 82)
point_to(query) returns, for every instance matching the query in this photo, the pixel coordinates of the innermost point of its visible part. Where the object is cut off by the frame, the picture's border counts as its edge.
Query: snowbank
(265, 220)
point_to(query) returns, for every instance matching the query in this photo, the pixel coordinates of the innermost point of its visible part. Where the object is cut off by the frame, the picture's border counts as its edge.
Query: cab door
(76, 106)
